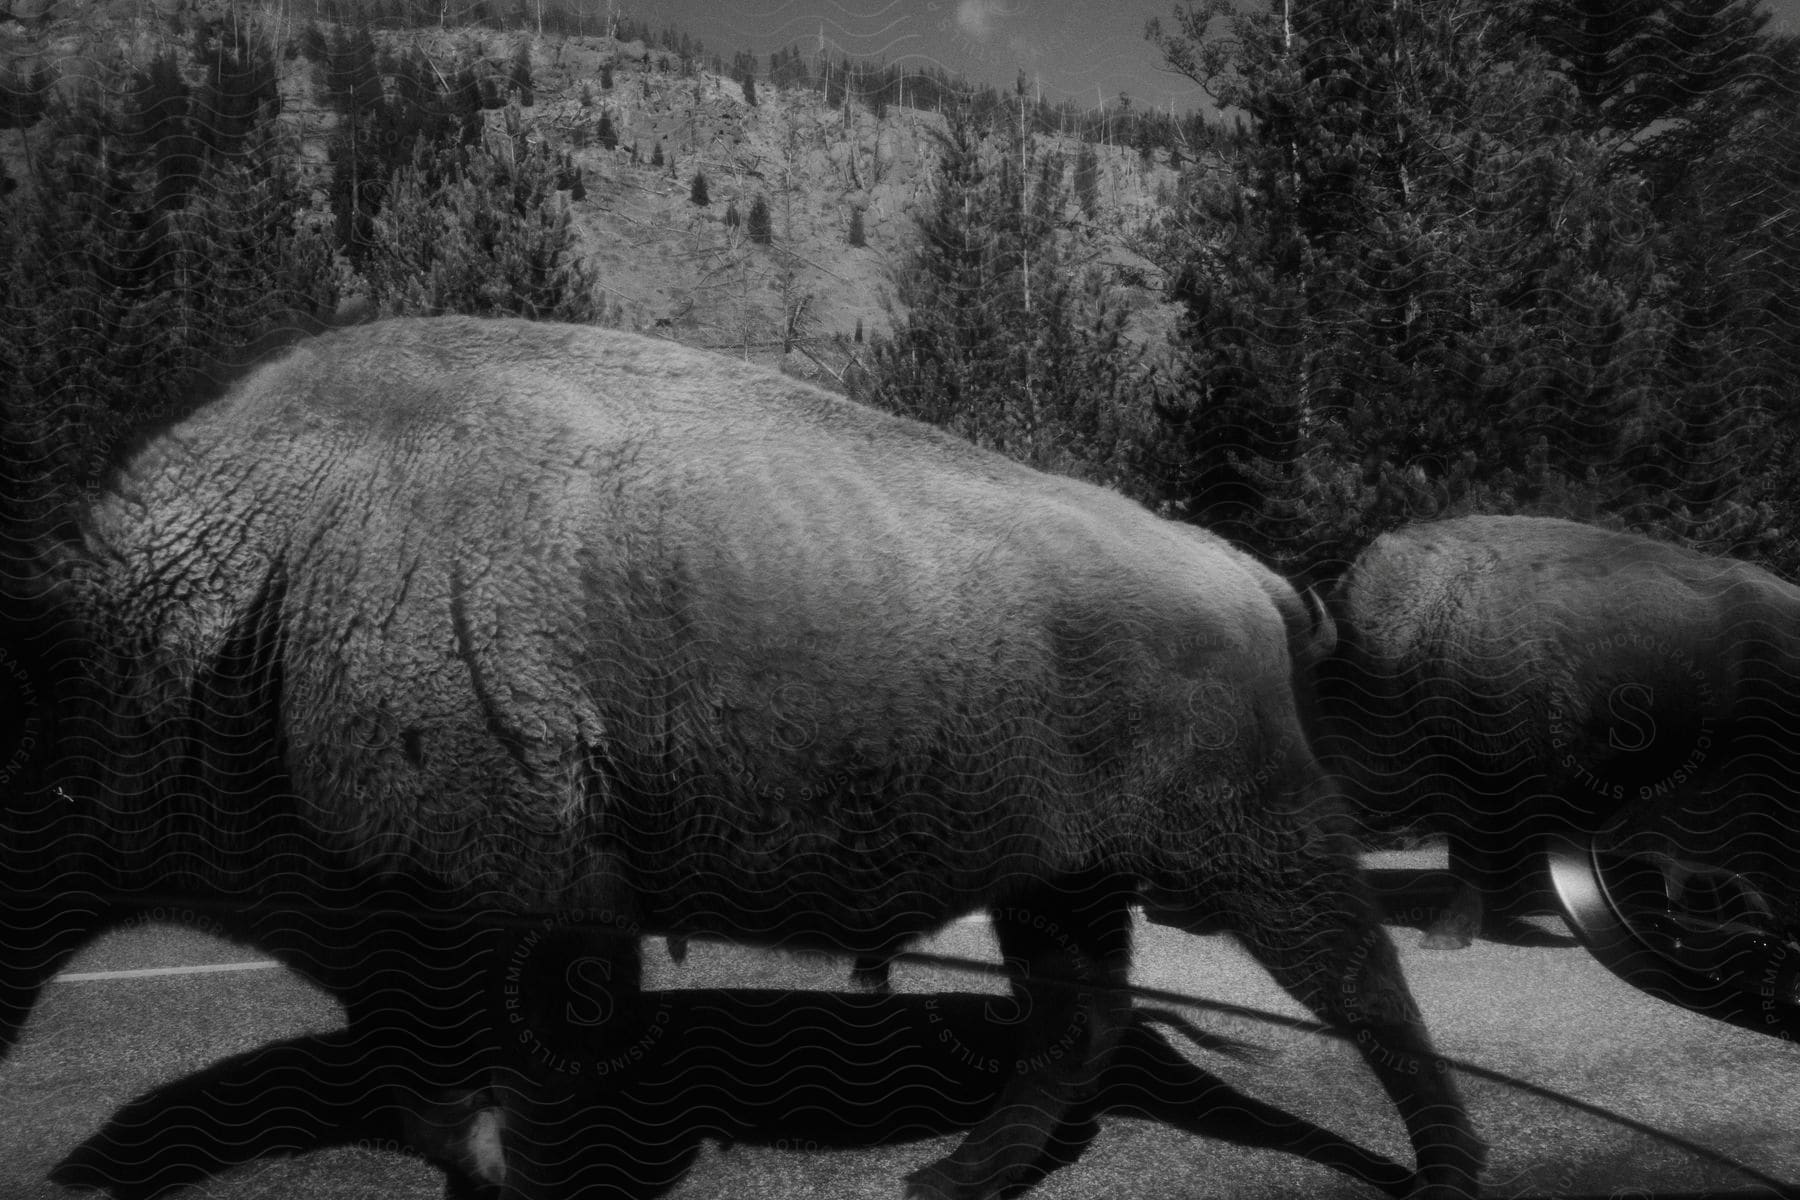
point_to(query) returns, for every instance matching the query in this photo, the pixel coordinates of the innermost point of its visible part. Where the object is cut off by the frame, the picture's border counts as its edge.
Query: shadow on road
(1632, 1193)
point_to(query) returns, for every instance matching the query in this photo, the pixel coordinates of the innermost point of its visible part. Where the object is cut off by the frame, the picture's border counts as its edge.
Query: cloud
(1025, 49)
(976, 17)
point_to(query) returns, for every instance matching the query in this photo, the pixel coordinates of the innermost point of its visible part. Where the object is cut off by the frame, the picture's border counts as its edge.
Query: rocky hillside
(665, 262)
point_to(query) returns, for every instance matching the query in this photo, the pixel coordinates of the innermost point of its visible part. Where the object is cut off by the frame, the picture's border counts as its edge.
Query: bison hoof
(1451, 1169)
(1446, 939)
(938, 1181)
(1445, 1185)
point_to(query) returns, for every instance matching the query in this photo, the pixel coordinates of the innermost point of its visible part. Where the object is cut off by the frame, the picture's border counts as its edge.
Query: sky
(1083, 50)
(1071, 46)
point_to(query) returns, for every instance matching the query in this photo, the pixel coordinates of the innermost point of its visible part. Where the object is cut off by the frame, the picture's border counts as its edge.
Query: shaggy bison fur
(542, 619)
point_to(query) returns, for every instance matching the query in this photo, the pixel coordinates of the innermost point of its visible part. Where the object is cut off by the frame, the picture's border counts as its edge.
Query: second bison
(1504, 679)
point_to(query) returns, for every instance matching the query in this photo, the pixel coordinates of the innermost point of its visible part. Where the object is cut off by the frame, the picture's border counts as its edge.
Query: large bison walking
(1502, 679)
(545, 619)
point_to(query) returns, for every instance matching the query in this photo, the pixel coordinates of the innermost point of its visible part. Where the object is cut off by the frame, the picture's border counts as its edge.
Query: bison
(739, 1066)
(552, 620)
(1501, 680)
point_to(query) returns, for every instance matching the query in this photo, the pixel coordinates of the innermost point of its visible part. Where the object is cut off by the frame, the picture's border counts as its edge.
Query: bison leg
(570, 1009)
(1069, 950)
(1149, 1078)
(871, 974)
(39, 933)
(413, 1071)
(1495, 878)
(303, 1094)
(1473, 876)
(1306, 914)
(468, 1065)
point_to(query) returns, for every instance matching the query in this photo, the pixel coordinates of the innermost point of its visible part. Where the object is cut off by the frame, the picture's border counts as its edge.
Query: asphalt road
(1585, 1086)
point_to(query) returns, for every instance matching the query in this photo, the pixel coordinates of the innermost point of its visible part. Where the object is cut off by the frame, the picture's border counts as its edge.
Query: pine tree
(758, 225)
(158, 116)
(1424, 284)
(352, 82)
(239, 84)
(105, 342)
(697, 190)
(607, 135)
(521, 74)
(472, 232)
(749, 82)
(857, 237)
(313, 47)
(360, 168)
(23, 96)
(1087, 181)
(997, 334)
(465, 101)
(377, 134)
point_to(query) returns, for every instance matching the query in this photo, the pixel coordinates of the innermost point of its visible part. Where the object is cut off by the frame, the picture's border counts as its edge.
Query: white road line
(147, 972)
(266, 964)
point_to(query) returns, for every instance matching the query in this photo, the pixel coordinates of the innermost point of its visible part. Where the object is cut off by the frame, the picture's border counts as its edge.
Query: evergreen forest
(1424, 258)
